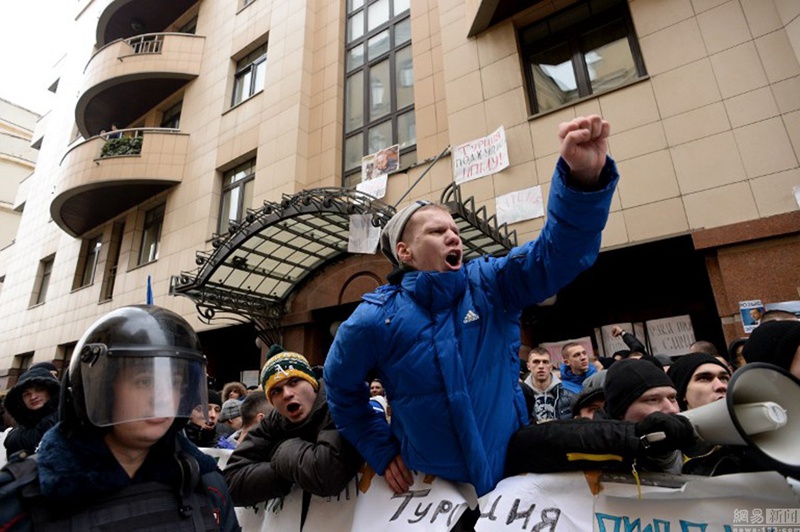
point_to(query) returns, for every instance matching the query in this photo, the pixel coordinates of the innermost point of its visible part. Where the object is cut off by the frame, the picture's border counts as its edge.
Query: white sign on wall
(481, 157)
(525, 204)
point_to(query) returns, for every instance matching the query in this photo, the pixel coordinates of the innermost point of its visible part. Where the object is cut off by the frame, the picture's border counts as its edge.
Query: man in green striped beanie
(284, 366)
(296, 443)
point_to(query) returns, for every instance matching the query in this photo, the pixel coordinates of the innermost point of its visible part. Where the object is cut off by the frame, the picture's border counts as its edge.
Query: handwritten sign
(559, 502)
(480, 157)
(670, 336)
(521, 205)
(364, 236)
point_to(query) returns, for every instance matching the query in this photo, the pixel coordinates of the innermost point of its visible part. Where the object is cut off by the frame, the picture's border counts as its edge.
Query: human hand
(398, 476)
(616, 330)
(584, 145)
(661, 433)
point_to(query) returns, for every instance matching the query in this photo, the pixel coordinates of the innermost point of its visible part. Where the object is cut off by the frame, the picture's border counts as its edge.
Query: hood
(13, 402)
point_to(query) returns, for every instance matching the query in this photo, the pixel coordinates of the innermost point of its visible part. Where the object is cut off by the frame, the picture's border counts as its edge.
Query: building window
(250, 73)
(172, 116)
(43, 280)
(64, 354)
(20, 365)
(151, 234)
(379, 83)
(585, 50)
(237, 193)
(112, 261)
(87, 264)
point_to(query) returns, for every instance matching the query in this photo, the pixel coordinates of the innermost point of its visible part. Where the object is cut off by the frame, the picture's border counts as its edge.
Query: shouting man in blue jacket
(443, 336)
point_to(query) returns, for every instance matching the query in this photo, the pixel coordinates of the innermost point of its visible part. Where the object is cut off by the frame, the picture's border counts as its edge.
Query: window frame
(251, 67)
(571, 36)
(43, 277)
(88, 261)
(153, 220)
(235, 185)
(351, 175)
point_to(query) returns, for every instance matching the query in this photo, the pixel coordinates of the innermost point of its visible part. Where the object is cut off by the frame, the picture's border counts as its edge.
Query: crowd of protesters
(424, 376)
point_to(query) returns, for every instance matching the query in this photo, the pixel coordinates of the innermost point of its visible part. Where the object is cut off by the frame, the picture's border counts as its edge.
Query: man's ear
(403, 252)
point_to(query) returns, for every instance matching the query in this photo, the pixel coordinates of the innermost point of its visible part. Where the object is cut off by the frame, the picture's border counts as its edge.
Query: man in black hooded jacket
(33, 403)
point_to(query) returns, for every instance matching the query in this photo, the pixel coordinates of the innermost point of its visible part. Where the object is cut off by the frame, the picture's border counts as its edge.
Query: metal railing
(149, 43)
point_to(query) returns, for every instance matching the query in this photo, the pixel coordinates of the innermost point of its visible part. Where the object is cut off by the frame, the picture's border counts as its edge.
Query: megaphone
(761, 410)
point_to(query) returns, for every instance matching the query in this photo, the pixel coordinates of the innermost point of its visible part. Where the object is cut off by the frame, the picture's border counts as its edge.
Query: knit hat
(773, 342)
(585, 398)
(284, 366)
(214, 398)
(683, 368)
(230, 409)
(393, 230)
(627, 380)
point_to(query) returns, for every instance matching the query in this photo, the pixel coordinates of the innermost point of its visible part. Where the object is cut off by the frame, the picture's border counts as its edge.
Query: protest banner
(481, 157)
(557, 502)
(751, 312)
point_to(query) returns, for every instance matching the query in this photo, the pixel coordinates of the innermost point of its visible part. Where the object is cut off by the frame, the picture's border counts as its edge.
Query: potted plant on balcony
(122, 146)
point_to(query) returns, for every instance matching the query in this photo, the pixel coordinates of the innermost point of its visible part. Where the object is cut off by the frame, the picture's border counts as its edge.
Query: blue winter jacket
(445, 347)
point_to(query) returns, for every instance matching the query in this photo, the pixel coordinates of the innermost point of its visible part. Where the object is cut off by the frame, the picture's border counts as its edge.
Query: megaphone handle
(653, 437)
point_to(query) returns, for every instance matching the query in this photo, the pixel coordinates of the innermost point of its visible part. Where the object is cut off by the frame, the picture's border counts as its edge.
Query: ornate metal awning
(251, 272)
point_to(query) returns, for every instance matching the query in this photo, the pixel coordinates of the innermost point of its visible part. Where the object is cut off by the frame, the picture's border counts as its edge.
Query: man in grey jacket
(296, 443)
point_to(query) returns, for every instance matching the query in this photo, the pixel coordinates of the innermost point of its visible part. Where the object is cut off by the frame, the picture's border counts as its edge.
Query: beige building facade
(171, 122)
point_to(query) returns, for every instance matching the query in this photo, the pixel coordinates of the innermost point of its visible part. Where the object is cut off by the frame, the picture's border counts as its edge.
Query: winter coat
(201, 436)
(445, 347)
(577, 444)
(553, 403)
(32, 424)
(572, 382)
(77, 480)
(277, 454)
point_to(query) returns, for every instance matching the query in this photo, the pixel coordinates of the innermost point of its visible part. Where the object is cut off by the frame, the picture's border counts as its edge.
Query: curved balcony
(127, 78)
(125, 18)
(103, 177)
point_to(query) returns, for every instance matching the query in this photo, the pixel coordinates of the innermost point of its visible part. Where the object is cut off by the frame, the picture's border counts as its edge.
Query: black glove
(667, 432)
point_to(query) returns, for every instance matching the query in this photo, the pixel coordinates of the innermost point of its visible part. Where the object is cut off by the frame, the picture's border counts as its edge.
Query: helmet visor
(124, 387)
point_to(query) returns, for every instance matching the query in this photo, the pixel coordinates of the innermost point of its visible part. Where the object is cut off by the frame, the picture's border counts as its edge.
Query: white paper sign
(364, 236)
(560, 502)
(614, 343)
(670, 336)
(726, 503)
(521, 205)
(480, 157)
(374, 187)
(796, 190)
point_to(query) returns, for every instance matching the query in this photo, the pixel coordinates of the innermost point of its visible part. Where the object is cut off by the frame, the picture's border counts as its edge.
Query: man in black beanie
(700, 379)
(201, 428)
(775, 342)
(643, 432)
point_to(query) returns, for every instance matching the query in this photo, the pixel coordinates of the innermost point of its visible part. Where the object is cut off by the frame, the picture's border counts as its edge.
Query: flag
(149, 292)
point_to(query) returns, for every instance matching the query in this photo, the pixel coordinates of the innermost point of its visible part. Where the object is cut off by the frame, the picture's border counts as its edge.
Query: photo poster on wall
(670, 336)
(375, 169)
(554, 348)
(751, 312)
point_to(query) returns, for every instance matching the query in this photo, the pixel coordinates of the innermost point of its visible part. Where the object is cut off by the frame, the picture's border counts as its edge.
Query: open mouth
(453, 258)
(292, 408)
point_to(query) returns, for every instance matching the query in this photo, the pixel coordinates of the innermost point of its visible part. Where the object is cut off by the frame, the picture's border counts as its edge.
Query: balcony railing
(149, 43)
